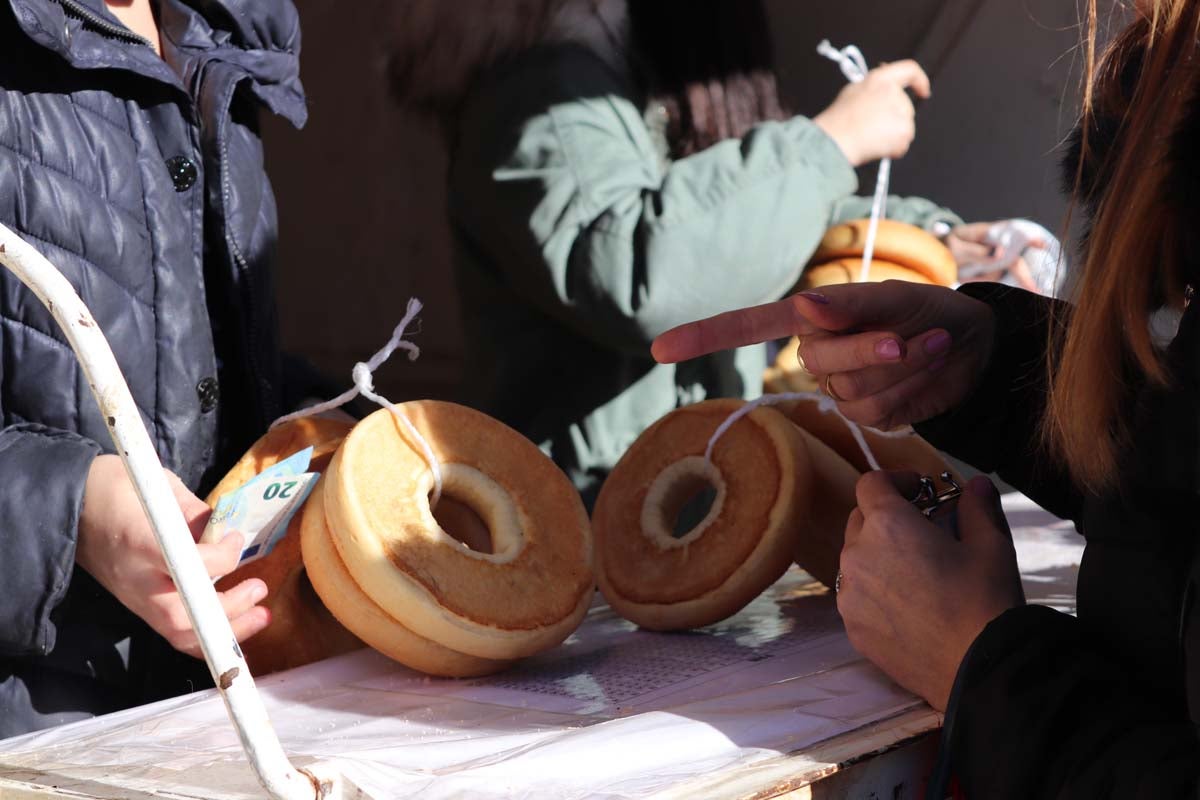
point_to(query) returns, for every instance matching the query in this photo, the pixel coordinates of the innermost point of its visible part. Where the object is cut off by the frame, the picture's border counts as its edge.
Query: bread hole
(688, 504)
(682, 502)
(458, 519)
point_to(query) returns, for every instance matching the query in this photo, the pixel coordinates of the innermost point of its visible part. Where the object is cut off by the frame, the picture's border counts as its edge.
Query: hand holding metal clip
(939, 507)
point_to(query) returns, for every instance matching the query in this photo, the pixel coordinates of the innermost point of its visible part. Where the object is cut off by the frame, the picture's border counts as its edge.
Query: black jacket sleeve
(997, 428)
(1040, 710)
(42, 476)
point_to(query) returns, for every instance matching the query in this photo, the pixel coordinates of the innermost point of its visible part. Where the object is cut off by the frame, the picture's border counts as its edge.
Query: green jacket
(578, 243)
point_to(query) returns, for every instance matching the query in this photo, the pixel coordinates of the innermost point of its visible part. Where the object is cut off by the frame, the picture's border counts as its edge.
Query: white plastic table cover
(614, 713)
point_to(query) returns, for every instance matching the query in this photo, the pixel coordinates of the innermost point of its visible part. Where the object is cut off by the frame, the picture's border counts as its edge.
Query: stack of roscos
(902, 252)
(684, 540)
(367, 558)
(500, 567)
(779, 485)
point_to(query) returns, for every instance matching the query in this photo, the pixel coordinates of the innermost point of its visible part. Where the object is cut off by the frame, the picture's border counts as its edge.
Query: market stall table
(773, 702)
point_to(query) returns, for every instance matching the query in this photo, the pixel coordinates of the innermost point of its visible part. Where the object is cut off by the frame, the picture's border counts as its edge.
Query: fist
(875, 118)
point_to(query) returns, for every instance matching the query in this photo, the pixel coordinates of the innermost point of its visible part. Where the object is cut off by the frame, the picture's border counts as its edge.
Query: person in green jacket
(618, 168)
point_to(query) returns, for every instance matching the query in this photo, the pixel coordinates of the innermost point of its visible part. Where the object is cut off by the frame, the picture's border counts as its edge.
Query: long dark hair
(710, 64)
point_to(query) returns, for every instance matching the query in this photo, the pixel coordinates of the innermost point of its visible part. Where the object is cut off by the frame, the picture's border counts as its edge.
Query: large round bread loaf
(359, 613)
(529, 593)
(761, 479)
(817, 545)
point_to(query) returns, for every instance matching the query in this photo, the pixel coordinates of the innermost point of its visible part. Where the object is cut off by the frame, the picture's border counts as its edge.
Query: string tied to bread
(854, 67)
(364, 384)
(825, 403)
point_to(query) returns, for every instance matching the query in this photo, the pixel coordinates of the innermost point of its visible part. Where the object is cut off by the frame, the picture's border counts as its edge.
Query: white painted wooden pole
(221, 651)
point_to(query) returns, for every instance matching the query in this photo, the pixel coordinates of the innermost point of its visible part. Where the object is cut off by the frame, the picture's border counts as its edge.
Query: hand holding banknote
(117, 546)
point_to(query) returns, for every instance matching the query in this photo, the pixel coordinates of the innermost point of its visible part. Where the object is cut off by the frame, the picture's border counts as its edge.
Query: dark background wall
(1005, 76)
(361, 192)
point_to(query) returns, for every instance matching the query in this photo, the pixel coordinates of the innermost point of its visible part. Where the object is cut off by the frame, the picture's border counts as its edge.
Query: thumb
(195, 511)
(221, 558)
(981, 520)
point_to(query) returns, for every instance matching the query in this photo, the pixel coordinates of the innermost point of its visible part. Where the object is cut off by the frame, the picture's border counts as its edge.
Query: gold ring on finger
(800, 358)
(827, 387)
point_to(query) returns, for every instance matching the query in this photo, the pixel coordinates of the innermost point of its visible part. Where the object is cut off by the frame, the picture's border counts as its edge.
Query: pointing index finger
(892, 305)
(740, 328)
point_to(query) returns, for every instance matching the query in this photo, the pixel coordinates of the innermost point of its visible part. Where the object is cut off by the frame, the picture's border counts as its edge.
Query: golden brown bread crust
(838, 461)
(895, 242)
(817, 547)
(513, 603)
(323, 435)
(893, 452)
(742, 546)
(847, 270)
(302, 630)
(360, 614)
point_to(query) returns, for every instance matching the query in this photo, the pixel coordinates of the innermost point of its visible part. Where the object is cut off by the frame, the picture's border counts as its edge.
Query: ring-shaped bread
(525, 596)
(360, 614)
(761, 477)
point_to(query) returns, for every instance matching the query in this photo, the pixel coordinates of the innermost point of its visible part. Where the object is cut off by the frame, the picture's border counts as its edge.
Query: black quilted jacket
(141, 178)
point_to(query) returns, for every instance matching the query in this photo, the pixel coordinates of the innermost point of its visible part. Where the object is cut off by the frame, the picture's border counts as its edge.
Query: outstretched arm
(558, 184)
(968, 368)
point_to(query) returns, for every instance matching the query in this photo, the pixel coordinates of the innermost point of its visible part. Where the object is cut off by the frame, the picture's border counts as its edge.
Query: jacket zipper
(103, 26)
(244, 268)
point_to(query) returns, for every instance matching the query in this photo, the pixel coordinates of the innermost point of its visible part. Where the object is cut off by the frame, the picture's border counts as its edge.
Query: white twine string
(825, 404)
(854, 67)
(364, 384)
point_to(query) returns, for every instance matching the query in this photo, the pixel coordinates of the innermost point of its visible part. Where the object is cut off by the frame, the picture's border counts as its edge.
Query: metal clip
(929, 500)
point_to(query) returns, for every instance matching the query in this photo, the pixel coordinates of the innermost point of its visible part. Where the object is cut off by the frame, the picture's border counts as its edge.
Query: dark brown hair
(710, 64)
(1136, 100)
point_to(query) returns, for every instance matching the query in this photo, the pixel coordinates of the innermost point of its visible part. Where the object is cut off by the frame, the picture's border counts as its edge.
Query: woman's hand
(890, 353)
(116, 545)
(970, 246)
(875, 118)
(912, 597)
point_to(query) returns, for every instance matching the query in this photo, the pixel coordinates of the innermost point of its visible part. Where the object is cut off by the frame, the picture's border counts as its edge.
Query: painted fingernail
(938, 343)
(888, 349)
(816, 297)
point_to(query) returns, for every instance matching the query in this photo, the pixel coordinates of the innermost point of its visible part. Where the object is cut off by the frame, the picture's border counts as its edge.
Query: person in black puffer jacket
(1090, 408)
(130, 157)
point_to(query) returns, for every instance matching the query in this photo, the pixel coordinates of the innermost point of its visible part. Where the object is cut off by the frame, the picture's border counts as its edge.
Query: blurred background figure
(987, 148)
(1016, 252)
(618, 168)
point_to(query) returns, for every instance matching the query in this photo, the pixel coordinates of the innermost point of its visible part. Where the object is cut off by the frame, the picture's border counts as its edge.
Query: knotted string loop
(364, 384)
(825, 403)
(854, 67)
